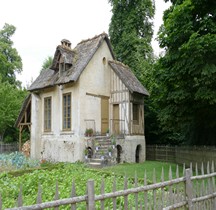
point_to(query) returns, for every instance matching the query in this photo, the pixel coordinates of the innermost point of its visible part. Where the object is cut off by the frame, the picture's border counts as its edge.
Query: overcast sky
(42, 24)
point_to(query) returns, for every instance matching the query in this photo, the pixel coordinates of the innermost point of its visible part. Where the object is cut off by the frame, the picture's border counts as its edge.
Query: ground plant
(64, 174)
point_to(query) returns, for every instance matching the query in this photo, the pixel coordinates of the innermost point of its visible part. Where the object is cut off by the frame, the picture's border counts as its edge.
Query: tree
(187, 71)
(131, 32)
(10, 103)
(10, 61)
(47, 63)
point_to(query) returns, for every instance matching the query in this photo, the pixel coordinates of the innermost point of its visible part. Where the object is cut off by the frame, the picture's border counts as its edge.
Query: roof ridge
(95, 37)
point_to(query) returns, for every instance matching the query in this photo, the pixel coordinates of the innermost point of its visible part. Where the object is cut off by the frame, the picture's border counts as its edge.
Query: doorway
(104, 115)
(137, 154)
(119, 152)
(116, 119)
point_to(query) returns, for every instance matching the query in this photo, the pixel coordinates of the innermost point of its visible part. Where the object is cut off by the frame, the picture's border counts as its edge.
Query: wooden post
(0, 202)
(126, 196)
(91, 195)
(114, 189)
(39, 196)
(189, 188)
(20, 200)
(73, 194)
(20, 138)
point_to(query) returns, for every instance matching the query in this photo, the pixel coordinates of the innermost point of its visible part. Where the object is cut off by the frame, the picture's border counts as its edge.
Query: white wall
(35, 126)
(94, 80)
(59, 145)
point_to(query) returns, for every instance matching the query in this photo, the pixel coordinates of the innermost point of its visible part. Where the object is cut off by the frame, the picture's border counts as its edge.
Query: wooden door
(116, 118)
(104, 115)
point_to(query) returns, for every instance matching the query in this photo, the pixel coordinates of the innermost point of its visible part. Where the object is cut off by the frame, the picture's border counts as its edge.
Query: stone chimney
(66, 44)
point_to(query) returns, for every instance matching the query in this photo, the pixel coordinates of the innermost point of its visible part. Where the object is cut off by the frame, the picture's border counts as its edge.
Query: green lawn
(147, 167)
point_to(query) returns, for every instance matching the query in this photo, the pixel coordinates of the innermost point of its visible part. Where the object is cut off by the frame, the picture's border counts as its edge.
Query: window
(47, 113)
(67, 111)
(136, 114)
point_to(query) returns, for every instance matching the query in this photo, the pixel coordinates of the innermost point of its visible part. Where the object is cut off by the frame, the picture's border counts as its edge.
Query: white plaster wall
(35, 126)
(92, 111)
(64, 149)
(95, 79)
(129, 145)
(58, 145)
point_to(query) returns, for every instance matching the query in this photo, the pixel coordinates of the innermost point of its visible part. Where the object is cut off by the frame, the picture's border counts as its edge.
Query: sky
(42, 24)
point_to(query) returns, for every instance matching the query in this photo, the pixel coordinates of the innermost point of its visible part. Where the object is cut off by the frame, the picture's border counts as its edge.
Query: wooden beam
(20, 139)
(95, 95)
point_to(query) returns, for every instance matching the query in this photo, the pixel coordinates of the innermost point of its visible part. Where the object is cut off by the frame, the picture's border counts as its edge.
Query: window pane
(47, 114)
(67, 111)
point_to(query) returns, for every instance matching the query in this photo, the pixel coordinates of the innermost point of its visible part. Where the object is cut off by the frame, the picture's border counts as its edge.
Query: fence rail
(181, 154)
(186, 192)
(10, 147)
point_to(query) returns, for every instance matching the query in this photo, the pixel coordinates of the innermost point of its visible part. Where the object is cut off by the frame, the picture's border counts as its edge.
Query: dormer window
(63, 58)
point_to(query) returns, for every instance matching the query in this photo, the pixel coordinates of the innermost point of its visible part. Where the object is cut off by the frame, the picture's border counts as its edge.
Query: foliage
(11, 95)
(10, 61)
(131, 32)
(65, 173)
(186, 74)
(17, 160)
(47, 63)
(10, 103)
(89, 132)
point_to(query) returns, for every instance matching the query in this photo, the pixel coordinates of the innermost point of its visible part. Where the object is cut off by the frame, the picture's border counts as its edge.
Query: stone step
(95, 160)
(95, 165)
(103, 143)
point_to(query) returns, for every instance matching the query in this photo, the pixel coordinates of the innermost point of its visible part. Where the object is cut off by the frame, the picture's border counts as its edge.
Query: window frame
(47, 114)
(136, 110)
(66, 125)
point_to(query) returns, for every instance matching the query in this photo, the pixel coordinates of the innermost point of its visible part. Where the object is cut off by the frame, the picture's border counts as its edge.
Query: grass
(147, 167)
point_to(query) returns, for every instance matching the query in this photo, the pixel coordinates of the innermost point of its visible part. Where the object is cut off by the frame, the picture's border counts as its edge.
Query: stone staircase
(104, 153)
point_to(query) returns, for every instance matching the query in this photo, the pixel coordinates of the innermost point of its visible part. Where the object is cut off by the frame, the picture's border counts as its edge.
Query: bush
(17, 160)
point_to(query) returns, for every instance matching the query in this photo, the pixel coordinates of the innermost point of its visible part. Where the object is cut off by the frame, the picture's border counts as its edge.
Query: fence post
(90, 195)
(189, 188)
(0, 202)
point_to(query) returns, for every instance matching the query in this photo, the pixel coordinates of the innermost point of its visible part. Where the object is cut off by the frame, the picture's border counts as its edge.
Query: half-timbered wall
(120, 96)
(137, 127)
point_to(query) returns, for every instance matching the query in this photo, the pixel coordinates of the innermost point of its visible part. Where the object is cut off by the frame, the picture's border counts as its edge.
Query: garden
(17, 170)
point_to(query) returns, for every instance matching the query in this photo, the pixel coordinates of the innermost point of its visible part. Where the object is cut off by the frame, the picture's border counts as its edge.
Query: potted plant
(96, 145)
(86, 153)
(110, 151)
(107, 132)
(102, 155)
(113, 141)
(88, 132)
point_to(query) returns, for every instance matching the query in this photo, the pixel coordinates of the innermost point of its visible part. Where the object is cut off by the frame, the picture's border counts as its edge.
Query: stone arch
(137, 153)
(119, 152)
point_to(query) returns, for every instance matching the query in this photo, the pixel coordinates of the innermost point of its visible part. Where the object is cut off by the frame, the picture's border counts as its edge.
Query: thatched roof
(79, 57)
(128, 78)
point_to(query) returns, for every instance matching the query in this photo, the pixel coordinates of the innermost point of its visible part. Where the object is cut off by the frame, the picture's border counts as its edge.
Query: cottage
(85, 89)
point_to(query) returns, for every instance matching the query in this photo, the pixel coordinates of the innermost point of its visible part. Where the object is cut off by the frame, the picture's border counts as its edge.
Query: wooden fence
(9, 147)
(185, 192)
(181, 154)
